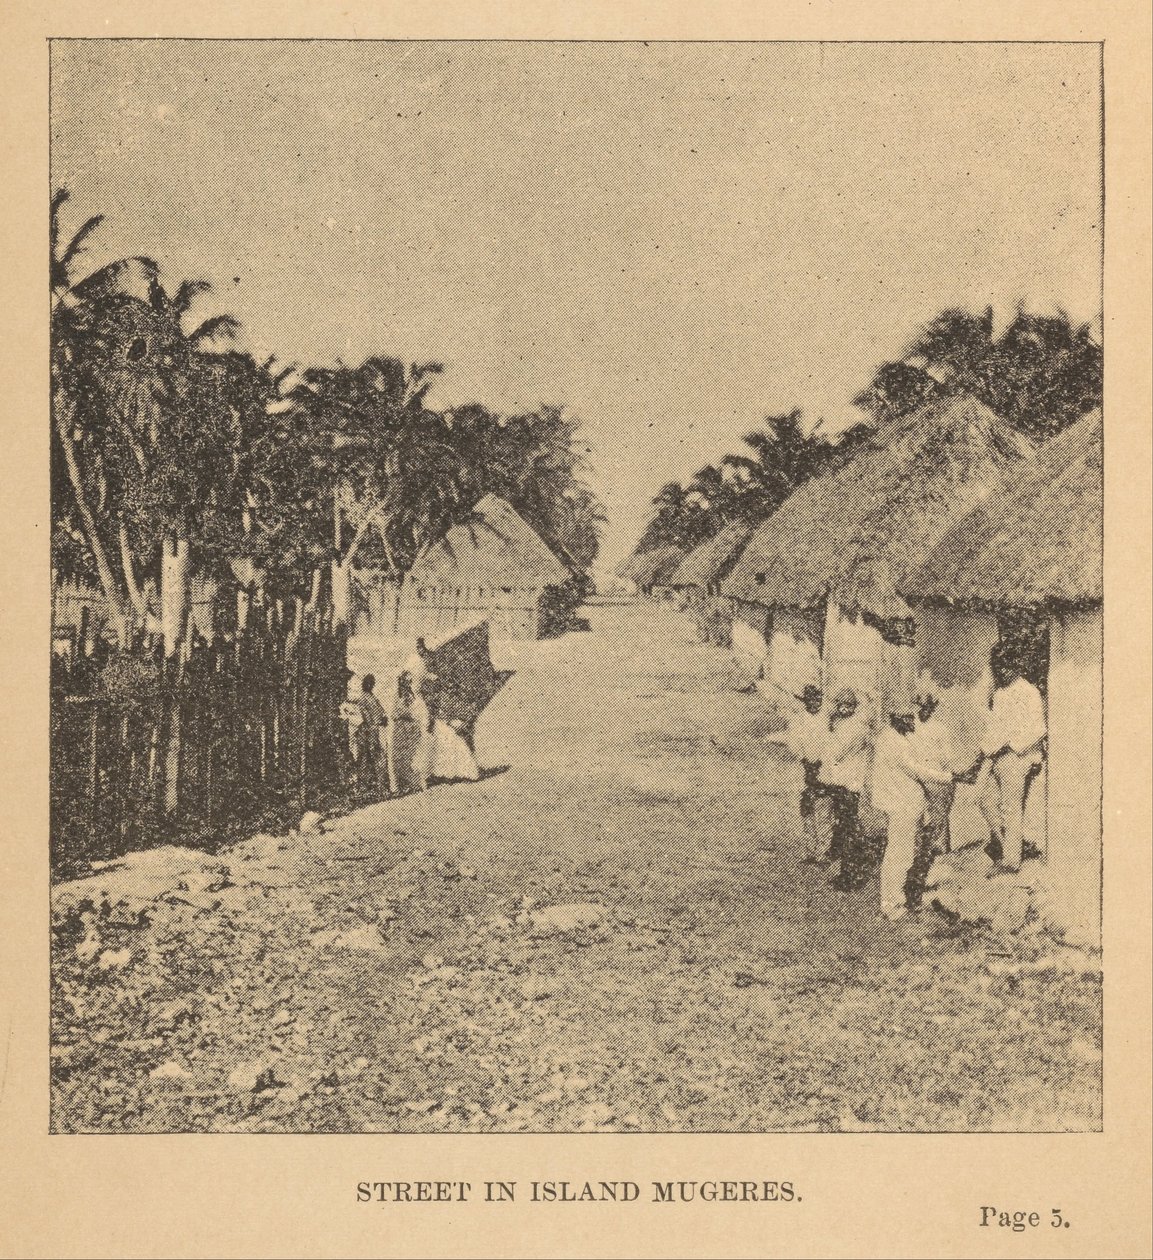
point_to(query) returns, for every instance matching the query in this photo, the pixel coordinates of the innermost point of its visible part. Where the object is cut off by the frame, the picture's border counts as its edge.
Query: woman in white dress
(451, 757)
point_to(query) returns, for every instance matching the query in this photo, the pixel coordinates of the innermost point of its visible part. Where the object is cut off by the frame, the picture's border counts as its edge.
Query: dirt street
(405, 970)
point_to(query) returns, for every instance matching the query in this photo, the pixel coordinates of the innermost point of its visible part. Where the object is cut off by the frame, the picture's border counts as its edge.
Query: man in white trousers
(1012, 751)
(900, 777)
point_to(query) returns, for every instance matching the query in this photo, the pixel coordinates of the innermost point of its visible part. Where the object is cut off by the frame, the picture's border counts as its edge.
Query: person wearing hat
(408, 747)
(806, 738)
(842, 775)
(900, 779)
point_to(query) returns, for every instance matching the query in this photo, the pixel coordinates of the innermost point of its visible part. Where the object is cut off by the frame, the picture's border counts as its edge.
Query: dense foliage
(1040, 374)
(164, 430)
(745, 487)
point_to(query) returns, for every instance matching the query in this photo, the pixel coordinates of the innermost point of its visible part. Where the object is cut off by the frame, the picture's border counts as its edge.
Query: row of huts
(900, 569)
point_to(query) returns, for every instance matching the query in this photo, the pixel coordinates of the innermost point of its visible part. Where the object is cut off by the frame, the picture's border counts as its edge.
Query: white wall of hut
(794, 651)
(857, 656)
(749, 635)
(1075, 766)
(513, 612)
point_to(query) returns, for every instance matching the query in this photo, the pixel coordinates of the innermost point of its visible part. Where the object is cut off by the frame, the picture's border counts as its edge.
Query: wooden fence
(146, 750)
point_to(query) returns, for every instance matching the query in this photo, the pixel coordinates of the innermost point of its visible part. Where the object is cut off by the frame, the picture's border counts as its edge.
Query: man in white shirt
(1012, 752)
(900, 778)
(842, 774)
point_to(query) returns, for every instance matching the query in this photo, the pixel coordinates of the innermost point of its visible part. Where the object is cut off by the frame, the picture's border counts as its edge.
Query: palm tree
(677, 518)
(786, 453)
(1040, 374)
(1043, 373)
(142, 427)
(81, 472)
(379, 456)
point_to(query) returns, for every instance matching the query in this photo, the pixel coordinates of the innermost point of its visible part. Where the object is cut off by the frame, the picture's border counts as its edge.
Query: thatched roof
(1039, 541)
(653, 567)
(495, 547)
(712, 559)
(858, 531)
(628, 566)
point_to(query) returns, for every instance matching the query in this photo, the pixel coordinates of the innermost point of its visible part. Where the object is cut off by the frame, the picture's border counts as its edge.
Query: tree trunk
(174, 590)
(135, 596)
(172, 760)
(341, 591)
(62, 413)
(203, 593)
(314, 595)
(175, 580)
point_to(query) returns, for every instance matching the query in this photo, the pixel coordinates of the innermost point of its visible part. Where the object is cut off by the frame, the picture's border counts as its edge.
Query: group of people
(909, 768)
(403, 748)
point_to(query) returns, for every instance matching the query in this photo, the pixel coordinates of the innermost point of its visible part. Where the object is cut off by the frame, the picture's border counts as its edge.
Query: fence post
(93, 767)
(302, 678)
(172, 743)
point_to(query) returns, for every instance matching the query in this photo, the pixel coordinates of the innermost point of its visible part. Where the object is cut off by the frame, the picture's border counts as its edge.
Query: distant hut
(650, 570)
(80, 610)
(493, 565)
(819, 580)
(630, 568)
(660, 578)
(1034, 551)
(699, 578)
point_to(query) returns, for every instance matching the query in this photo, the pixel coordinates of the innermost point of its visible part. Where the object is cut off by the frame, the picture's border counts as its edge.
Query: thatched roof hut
(1035, 546)
(493, 565)
(495, 547)
(856, 533)
(713, 559)
(653, 567)
(1037, 542)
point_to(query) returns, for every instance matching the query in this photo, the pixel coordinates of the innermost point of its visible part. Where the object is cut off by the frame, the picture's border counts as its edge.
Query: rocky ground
(613, 933)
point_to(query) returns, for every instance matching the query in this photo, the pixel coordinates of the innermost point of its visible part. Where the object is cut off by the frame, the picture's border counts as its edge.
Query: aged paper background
(869, 1195)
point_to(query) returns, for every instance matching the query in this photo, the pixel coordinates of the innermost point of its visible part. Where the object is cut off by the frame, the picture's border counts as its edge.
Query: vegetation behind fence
(196, 746)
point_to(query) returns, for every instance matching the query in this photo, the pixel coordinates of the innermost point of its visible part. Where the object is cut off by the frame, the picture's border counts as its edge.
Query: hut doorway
(796, 638)
(1024, 633)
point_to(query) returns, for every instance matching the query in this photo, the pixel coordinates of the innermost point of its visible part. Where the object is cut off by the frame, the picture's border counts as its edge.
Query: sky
(672, 240)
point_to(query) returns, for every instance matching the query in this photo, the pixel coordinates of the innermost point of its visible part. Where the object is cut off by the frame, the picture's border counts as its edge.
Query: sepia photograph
(576, 587)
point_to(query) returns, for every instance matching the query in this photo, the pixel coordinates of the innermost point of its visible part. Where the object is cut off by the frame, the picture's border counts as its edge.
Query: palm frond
(76, 244)
(219, 326)
(107, 279)
(59, 197)
(187, 293)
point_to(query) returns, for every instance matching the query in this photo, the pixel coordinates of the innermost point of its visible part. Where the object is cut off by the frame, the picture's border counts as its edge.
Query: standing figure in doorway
(417, 667)
(806, 738)
(933, 746)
